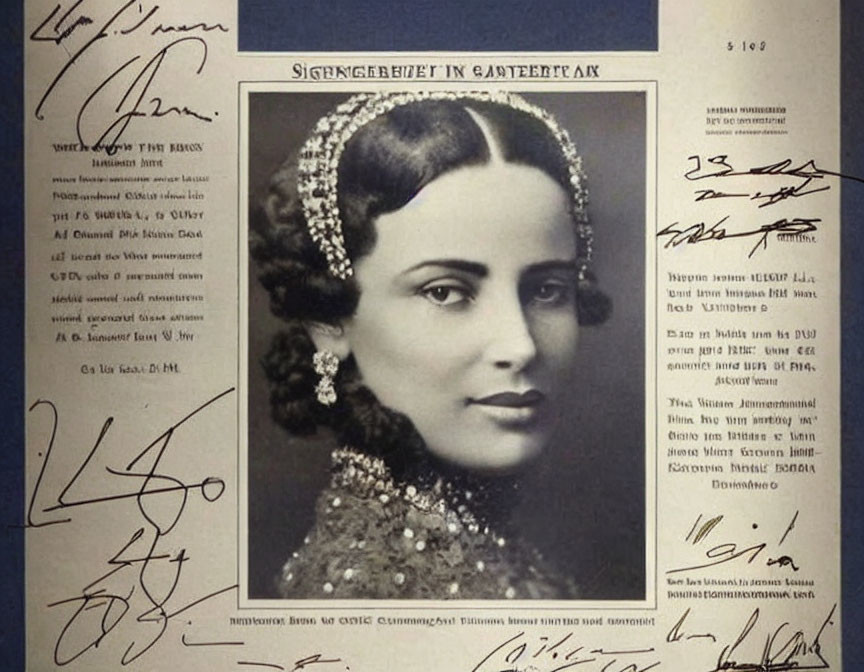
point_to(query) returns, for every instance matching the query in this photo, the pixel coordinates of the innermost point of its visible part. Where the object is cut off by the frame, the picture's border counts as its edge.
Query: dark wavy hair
(383, 166)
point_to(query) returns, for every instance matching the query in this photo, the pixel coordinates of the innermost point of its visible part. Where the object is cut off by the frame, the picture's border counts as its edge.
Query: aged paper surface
(690, 492)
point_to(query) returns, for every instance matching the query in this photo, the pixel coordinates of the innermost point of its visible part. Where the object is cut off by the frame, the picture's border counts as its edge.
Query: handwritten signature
(701, 233)
(720, 167)
(109, 103)
(301, 664)
(785, 649)
(141, 565)
(807, 179)
(719, 554)
(782, 647)
(522, 653)
(765, 199)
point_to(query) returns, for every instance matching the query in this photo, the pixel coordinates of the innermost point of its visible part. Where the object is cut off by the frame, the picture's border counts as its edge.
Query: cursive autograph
(719, 166)
(678, 634)
(523, 653)
(726, 552)
(312, 662)
(133, 100)
(765, 199)
(701, 233)
(775, 649)
(804, 179)
(129, 49)
(785, 648)
(137, 589)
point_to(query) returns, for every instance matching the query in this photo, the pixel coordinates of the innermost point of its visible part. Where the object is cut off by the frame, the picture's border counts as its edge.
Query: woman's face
(467, 319)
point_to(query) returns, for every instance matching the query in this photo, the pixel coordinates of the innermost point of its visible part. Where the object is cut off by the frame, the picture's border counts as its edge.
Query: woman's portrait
(446, 346)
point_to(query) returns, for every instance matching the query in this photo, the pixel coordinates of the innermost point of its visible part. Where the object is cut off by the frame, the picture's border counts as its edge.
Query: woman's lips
(512, 399)
(514, 410)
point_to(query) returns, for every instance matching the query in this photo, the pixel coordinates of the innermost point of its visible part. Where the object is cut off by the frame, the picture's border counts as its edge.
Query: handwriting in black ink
(150, 575)
(729, 551)
(678, 634)
(182, 28)
(520, 653)
(700, 233)
(719, 166)
(131, 100)
(186, 642)
(118, 93)
(784, 649)
(57, 32)
(315, 659)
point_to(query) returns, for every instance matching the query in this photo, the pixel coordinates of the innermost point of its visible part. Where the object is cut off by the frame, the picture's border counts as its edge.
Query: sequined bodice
(375, 537)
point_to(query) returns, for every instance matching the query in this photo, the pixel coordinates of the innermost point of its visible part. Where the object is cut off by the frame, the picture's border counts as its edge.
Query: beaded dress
(376, 536)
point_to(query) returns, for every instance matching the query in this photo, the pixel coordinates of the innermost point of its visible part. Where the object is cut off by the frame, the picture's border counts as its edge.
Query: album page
(477, 361)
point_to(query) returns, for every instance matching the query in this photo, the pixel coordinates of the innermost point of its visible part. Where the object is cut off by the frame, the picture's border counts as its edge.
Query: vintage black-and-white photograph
(446, 345)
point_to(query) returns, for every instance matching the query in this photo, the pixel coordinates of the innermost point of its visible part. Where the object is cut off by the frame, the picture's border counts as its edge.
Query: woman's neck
(490, 498)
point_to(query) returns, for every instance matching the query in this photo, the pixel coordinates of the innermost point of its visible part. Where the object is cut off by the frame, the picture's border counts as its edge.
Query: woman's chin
(500, 458)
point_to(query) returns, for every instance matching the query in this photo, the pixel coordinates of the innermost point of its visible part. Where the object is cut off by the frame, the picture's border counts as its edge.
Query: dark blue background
(448, 25)
(12, 342)
(613, 24)
(852, 73)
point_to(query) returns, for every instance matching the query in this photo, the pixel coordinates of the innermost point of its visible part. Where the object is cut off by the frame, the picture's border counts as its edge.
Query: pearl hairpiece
(318, 166)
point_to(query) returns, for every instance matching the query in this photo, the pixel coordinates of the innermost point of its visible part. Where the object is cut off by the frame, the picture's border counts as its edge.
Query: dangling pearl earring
(326, 364)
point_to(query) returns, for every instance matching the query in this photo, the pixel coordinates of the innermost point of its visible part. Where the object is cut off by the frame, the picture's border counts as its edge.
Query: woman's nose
(511, 343)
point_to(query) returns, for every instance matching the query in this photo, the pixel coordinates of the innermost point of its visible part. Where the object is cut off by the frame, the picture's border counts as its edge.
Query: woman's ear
(330, 337)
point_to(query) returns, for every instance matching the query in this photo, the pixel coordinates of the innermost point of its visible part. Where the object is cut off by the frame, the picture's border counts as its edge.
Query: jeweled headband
(319, 166)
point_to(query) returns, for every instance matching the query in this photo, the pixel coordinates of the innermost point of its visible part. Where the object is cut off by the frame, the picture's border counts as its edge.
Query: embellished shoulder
(376, 538)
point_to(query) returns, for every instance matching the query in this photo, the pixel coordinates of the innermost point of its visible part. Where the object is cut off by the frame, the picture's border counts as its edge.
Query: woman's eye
(445, 295)
(550, 292)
